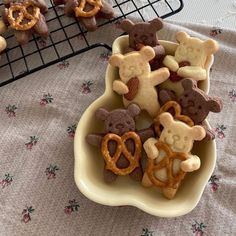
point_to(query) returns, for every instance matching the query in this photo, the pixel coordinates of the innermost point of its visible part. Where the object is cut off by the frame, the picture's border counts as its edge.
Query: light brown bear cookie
(137, 82)
(169, 157)
(25, 17)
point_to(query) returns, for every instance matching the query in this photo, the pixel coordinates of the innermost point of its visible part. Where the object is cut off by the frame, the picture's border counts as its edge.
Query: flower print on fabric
(26, 214)
(198, 228)
(214, 183)
(11, 110)
(147, 232)
(86, 87)
(105, 56)
(63, 65)
(33, 141)
(73, 206)
(51, 171)
(232, 95)
(220, 131)
(42, 43)
(47, 98)
(71, 130)
(215, 31)
(6, 181)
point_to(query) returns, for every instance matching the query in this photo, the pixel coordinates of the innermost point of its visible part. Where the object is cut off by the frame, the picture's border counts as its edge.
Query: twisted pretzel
(80, 12)
(121, 148)
(22, 10)
(177, 108)
(166, 162)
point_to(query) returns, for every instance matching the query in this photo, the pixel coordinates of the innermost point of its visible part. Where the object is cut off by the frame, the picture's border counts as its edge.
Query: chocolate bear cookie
(194, 103)
(25, 17)
(87, 11)
(121, 143)
(145, 34)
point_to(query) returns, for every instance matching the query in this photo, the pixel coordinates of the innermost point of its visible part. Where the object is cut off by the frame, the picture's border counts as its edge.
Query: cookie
(3, 44)
(87, 11)
(120, 143)
(194, 102)
(169, 157)
(145, 34)
(25, 18)
(191, 56)
(135, 66)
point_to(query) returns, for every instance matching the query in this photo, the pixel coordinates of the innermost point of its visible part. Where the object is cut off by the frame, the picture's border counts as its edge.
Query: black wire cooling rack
(68, 37)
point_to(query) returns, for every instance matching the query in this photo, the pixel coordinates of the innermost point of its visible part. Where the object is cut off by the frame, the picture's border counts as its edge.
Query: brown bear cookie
(25, 17)
(145, 34)
(87, 11)
(121, 143)
(194, 103)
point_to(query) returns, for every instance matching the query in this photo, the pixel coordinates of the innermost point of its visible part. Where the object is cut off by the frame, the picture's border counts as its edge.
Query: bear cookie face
(196, 104)
(133, 64)
(194, 50)
(144, 33)
(179, 136)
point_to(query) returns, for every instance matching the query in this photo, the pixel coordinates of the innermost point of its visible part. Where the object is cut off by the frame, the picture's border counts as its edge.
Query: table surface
(219, 13)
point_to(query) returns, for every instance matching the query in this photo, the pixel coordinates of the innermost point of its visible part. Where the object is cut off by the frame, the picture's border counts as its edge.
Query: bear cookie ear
(116, 59)
(197, 132)
(147, 53)
(181, 36)
(133, 110)
(215, 104)
(166, 119)
(189, 84)
(156, 24)
(210, 46)
(126, 25)
(102, 114)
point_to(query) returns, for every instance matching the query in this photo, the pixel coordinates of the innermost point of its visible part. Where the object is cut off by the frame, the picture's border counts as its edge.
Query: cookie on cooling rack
(25, 17)
(87, 11)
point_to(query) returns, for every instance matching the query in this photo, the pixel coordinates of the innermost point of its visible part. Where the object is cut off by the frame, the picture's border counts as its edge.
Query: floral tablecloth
(39, 114)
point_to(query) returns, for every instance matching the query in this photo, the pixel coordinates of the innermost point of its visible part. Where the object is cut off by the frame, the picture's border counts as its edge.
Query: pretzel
(166, 162)
(80, 12)
(17, 22)
(177, 108)
(121, 148)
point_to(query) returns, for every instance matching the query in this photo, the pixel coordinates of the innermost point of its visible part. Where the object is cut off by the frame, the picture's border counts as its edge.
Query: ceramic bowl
(88, 170)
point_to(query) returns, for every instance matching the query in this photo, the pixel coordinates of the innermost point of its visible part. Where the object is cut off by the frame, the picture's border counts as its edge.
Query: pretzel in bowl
(87, 11)
(170, 106)
(25, 18)
(111, 161)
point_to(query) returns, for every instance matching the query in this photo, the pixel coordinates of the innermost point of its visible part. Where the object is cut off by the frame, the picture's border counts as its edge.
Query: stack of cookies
(166, 88)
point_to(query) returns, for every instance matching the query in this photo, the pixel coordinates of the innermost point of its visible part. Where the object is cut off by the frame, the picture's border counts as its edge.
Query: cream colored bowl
(88, 170)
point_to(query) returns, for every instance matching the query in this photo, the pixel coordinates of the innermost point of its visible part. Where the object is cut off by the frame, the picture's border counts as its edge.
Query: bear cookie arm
(120, 87)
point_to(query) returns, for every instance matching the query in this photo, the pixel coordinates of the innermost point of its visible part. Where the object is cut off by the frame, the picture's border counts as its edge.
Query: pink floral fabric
(39, 115)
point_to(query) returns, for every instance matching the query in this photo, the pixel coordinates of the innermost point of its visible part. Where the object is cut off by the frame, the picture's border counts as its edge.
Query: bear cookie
(120, 143)
(145, 34)
(137, 82)
(169, 157)
(25, 17)
(194, 103)
(87, 11)
(190, 56)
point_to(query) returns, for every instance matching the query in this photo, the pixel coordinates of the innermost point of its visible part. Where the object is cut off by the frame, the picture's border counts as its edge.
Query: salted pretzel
(80, 10)
(121, 148)
(166, 162)
(21, 9)
(177, 108)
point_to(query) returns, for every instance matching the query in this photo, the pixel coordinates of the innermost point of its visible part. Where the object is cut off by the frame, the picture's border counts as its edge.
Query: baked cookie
(169, 157)
(137, 82)
(120, 143)
(194, 103)
(145, 34)
(87, 11)
(25, 17)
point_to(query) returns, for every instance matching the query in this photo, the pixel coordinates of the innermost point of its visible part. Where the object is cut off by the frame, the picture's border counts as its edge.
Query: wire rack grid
(68, 37)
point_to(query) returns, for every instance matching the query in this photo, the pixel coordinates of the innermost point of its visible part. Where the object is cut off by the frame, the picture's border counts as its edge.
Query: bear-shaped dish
(89, 164)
